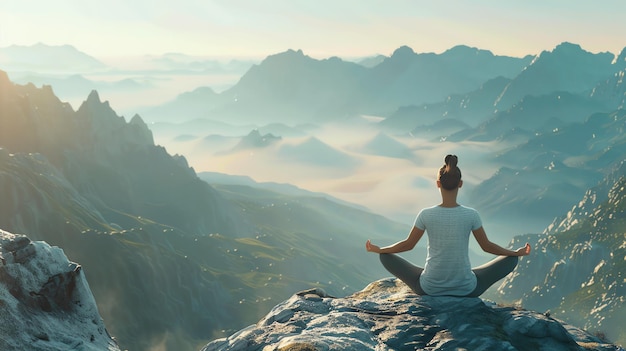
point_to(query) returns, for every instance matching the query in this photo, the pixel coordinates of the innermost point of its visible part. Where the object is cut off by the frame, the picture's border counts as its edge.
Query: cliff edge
(45, 301)
(386, 315)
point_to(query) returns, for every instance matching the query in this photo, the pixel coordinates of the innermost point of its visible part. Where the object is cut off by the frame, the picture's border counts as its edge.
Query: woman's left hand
(523, 251)
(371, 247)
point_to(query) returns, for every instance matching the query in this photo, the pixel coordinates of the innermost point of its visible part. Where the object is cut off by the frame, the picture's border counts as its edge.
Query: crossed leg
(403, 270)
(492, 271)
(486, 274)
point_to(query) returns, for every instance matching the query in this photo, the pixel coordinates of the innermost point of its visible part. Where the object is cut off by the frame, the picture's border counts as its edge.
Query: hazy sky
(321, 28)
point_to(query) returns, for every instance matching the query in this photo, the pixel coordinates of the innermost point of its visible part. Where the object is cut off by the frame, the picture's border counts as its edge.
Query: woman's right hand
(371, 247)
(523, 251)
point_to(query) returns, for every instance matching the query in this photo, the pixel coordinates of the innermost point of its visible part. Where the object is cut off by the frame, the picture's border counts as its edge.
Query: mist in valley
(395, 178)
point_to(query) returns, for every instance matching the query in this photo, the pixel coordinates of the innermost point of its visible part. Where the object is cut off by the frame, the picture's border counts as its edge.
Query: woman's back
(448, 270)
(448, 226)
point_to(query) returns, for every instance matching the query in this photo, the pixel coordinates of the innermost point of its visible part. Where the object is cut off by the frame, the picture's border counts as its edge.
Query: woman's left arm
(490, 247)
(405, 245)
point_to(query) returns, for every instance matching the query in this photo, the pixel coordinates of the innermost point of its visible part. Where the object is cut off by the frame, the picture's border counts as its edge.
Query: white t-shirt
(448, 270)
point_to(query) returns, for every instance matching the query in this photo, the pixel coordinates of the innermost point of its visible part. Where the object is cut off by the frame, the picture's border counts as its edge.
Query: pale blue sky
(321, 28)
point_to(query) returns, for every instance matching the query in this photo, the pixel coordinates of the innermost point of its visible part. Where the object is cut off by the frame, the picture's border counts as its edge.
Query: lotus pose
(448, 225)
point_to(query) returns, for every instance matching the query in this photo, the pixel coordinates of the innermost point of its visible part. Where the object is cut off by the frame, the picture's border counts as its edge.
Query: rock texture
(386, 315)
(45, 301)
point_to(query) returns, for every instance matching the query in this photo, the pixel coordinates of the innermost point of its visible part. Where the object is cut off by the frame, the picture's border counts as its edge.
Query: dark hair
(449, 173)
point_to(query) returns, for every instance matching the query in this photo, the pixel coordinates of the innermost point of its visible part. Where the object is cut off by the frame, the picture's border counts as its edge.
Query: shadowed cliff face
(45, 300)
(387, 315)
(112, 163)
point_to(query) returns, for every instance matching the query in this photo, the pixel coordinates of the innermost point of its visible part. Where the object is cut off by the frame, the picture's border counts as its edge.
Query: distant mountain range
(44, 58)
(293, 87)
(557, 137)
(131, 83)
(566, 68)
(532, 108)
(41, 58)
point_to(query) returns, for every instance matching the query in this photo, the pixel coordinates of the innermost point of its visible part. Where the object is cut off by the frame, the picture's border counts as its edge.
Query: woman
(447, 270)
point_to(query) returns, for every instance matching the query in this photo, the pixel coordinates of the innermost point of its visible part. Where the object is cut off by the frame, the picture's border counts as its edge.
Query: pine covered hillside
(578, 268)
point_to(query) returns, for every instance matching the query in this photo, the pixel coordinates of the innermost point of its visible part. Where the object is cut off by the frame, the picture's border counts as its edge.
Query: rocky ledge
(45, 301)
(386, 315)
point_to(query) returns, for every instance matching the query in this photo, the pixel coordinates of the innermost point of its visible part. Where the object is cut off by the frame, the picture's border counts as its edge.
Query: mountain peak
(93, 97)
(298, 52)
(291, 53)
(568, 47)
(388, 315)
(254, 139)
(403, 51)
(278, 61)
(567, 68)
(571, 50)
(564, 49)
(97, 107)
(464, 50)
(137, 120)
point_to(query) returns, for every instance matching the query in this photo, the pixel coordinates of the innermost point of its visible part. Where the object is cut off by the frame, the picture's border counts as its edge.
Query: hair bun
(450, 174)
(451, 161)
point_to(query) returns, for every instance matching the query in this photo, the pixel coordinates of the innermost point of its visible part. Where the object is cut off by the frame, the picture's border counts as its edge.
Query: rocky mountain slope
(471, 108)
(563, 85)
(45, 300)
(546, 175)
(577, 270)
(386, 315)
(566, 68)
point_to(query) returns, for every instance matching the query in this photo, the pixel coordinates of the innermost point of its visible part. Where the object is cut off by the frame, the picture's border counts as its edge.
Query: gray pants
(486, 275)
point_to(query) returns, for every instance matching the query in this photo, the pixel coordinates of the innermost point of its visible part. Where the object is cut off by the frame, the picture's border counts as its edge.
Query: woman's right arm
(490, 247)
(405, 245)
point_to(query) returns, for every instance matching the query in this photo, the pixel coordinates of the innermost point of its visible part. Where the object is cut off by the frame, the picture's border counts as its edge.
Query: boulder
(45, 301)
(386, 315)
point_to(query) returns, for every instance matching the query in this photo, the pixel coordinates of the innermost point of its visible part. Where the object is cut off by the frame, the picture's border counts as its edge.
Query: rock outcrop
(386, 315)
(45, 301)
